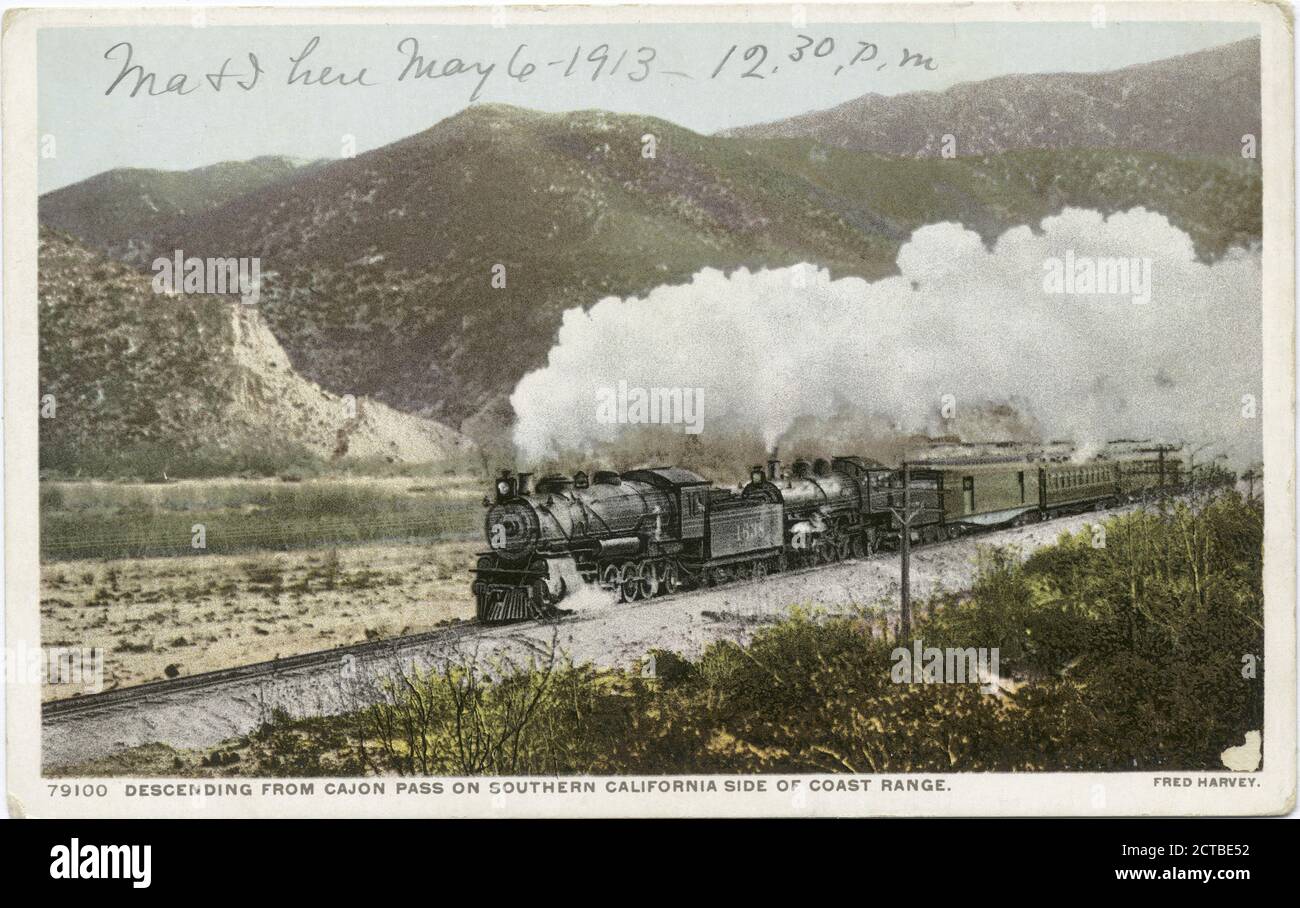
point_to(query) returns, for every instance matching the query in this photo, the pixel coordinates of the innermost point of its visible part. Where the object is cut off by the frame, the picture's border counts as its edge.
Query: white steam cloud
(778, 346)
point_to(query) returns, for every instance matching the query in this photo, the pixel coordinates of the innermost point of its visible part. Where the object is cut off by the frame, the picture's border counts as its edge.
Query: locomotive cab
(690, 492)
(763, 485)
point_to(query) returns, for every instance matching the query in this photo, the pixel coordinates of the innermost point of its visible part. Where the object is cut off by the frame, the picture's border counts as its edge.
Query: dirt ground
(161, 617)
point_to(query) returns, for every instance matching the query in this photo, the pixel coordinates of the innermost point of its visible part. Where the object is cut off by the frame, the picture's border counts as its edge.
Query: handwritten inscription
(416, 62)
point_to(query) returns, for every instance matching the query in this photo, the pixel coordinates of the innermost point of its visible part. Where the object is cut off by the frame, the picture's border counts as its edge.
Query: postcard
(863, 410)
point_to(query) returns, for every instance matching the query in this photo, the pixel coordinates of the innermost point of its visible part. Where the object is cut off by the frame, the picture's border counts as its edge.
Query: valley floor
(155, 618)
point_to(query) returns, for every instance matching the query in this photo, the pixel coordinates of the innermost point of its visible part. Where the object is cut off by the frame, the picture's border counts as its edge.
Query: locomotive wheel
(647, 581)
(631, 587)
(670, 580)
(859, 545)
(610, 577)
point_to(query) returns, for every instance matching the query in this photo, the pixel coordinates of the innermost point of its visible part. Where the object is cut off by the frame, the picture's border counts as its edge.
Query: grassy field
(86, 520)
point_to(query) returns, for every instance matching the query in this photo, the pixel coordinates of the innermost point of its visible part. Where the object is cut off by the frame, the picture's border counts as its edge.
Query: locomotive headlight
(503, 488)
(756, 476)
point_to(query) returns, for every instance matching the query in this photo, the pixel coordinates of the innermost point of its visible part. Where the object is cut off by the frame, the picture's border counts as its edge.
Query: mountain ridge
(111, 209)
(1138, 107)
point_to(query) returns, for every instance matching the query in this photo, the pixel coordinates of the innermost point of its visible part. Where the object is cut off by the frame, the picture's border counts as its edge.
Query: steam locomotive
(650, 532)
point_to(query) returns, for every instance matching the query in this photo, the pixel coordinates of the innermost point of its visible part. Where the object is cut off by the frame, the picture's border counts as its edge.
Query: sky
(96, 126)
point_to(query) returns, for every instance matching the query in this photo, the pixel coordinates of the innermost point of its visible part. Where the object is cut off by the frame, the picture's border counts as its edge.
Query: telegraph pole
(1191, 466)
(904, 516)
(905, 610)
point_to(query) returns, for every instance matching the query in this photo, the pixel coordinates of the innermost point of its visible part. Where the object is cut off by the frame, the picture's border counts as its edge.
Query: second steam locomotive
(648, 532)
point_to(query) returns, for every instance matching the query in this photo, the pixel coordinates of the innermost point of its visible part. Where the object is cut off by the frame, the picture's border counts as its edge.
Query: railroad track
(54, 709)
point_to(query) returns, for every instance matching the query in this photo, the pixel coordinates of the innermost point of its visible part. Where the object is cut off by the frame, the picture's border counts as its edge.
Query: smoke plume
(1009, 342)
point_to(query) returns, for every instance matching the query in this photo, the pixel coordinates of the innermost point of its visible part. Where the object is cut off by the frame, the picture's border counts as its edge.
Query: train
(660, 530)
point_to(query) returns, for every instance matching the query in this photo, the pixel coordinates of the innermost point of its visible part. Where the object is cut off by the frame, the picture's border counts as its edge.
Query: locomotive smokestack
(773, 469)
(523, 483)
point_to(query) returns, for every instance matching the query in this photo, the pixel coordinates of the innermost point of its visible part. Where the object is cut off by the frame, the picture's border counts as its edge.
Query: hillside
(377, 270)
(115, 209)
(1197, 104)
(152, 385)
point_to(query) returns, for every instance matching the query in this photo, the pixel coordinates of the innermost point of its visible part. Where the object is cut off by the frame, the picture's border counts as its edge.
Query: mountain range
(115, 209)
(382, 272)
(1201, 103)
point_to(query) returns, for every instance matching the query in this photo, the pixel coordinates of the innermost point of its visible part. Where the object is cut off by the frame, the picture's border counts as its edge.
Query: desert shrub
(669, 668)
(497, 718)
(314, 747)
(264, 571)
(1036, 631)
